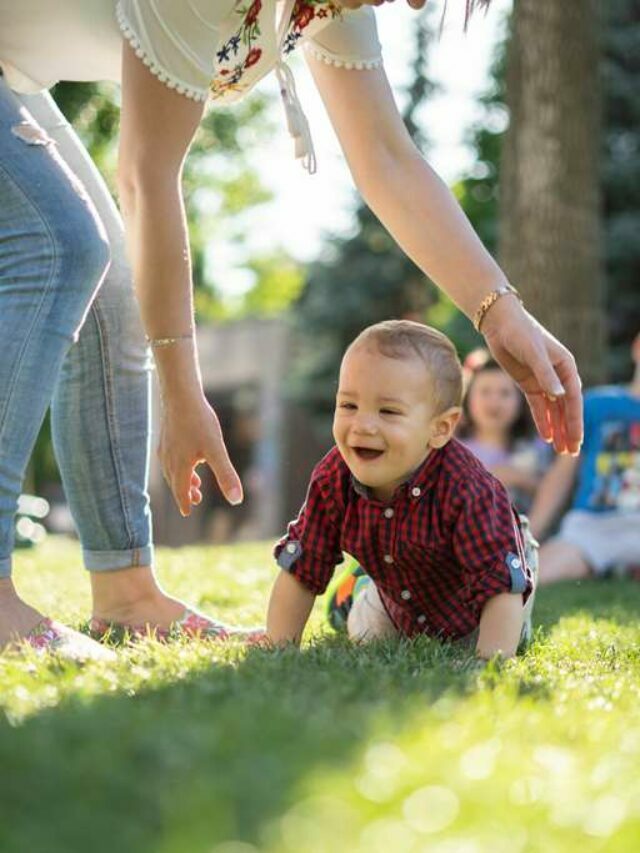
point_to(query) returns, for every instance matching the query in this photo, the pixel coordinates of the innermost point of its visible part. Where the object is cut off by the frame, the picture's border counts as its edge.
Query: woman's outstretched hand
(189, 436)
(544, 369)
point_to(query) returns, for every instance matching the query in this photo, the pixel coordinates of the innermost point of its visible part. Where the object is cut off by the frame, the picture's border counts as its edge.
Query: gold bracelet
(490, 300)
(167, 342)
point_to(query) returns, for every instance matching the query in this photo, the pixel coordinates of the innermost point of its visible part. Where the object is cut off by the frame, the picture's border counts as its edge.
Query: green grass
(396, 748)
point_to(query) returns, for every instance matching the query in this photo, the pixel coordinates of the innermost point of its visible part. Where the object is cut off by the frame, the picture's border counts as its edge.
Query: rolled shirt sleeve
(488, 544)
(310, 550)
(350, 41)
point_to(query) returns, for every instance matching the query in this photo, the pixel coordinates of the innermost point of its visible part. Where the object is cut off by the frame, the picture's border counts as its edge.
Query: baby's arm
(289, 608)
(500, 626)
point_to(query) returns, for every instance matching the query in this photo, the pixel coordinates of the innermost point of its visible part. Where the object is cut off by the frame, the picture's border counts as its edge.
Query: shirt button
(405, 594)
(291, 548)
(388, 513)
(388, 558)
(416, 491)
(422, 619)
(516, 563)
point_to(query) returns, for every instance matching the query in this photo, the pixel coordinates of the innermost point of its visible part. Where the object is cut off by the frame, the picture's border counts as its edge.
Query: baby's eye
(350, 406)
(390, 412)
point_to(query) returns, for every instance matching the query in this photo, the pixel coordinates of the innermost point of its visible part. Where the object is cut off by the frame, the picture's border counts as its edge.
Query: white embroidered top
(217, 49)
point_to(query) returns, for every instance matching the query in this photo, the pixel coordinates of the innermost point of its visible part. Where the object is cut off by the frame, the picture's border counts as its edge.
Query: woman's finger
(573, 411)
(556, 413)
(539, 406)
(226, 475)
(544, 371)
(181, 488)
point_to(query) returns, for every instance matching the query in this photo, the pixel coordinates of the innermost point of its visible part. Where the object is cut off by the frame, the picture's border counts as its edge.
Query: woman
(68, 323)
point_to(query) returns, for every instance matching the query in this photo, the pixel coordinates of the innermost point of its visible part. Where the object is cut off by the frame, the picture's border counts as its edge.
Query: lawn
(397, 748)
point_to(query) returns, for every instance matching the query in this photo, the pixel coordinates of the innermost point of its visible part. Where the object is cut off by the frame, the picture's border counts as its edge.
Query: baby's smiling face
(385, 421)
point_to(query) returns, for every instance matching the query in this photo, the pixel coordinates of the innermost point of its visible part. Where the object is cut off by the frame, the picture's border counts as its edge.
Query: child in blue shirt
(602, 528)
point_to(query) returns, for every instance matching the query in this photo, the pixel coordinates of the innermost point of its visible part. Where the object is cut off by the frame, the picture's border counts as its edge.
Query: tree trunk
(550, 244)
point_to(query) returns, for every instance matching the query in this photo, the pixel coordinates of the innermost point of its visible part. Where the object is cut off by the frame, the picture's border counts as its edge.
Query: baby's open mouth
(367, 453)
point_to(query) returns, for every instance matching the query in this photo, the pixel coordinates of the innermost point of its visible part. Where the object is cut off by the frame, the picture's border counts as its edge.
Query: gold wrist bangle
(167, 342)
(490, 300)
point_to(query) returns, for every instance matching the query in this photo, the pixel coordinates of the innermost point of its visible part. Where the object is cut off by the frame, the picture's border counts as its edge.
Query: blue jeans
(70, 337)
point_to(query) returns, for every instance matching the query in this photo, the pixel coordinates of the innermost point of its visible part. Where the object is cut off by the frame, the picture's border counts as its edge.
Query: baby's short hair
(407, 339)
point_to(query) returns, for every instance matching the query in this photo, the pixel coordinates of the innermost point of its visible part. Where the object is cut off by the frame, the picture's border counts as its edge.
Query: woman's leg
(100, 418)
(53, 255)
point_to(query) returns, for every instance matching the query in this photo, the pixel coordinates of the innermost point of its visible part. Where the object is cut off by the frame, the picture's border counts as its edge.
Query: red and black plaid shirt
(448, 541)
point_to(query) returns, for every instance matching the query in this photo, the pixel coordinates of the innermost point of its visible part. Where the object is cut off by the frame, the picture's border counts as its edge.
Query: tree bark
(550, 242)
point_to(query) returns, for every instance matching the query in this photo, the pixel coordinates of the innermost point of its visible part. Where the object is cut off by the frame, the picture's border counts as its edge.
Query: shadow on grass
(217, 756)
(224, 753)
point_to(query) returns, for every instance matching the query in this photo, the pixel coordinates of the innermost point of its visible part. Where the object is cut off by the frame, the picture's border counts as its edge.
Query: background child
(497, 428)
(433, 529)
(602, 529)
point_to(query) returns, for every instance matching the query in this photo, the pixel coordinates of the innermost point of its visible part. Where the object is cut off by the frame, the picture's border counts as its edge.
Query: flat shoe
(191, 624)
(58, 639)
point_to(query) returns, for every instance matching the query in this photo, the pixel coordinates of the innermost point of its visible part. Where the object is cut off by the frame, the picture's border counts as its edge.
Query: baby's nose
(365, 424)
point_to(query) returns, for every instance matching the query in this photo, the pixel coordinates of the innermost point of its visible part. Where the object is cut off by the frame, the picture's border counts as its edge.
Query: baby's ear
(444, 425)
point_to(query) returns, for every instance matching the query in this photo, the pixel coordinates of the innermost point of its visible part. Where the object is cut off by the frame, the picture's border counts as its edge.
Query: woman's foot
(50, 636)
(133, 597)
(23, 625)
(17, 618)
(191, 624)
(130, 601)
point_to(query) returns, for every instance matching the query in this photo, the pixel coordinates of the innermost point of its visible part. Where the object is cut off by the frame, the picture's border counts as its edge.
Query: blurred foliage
(279, 281)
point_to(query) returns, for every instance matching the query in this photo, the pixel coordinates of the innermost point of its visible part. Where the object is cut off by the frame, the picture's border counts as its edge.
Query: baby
(434, 531)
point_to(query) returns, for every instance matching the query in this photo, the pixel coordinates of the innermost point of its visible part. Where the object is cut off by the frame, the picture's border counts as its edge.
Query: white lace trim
(329, 59)
(171, 83)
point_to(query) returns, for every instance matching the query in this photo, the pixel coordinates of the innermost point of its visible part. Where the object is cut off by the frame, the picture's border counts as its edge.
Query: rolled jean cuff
(104, 561)
(5, 567)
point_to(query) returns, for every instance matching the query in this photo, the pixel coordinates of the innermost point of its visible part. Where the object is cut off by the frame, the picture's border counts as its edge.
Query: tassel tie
(296, 120)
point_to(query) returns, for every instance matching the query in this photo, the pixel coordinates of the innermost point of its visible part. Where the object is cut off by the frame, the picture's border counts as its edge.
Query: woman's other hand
(189, 436)
(544, 369)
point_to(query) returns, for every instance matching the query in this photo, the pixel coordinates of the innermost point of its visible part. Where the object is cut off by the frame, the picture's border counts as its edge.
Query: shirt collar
(415, 486)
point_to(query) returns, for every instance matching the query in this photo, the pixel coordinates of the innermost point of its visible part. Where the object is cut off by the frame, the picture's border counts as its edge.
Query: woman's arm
(289, 608)
(157, 125)
(422, 215)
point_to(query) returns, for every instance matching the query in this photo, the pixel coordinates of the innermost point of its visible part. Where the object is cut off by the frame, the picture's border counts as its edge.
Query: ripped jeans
(70, 337)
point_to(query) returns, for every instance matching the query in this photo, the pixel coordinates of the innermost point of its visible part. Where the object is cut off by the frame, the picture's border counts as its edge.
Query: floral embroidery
(303, 13)
(44, 635)
(248, 33)
(230, 61)
(252, 57)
